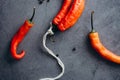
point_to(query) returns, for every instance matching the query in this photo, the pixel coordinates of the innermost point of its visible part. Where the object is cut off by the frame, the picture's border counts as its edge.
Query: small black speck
(52, 38)
(57, 55)
(41, 1)
(48, 0)
(74, 49)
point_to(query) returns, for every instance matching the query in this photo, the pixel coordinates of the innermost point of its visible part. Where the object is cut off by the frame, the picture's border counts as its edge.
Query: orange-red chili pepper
(99, 47)
(72, 16)
(63, 11)
(19, 36)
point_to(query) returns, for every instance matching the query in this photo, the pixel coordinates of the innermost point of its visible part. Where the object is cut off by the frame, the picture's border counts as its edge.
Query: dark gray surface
(82, 64)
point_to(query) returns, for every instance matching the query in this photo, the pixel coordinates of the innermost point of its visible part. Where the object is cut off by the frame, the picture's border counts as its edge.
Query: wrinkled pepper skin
(63, 11)
(18, 37)
(73, 15)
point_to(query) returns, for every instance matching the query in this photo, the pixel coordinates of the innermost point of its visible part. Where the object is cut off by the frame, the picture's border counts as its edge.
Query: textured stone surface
(73, 47)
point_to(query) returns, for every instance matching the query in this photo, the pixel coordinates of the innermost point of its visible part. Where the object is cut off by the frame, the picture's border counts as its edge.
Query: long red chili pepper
(73, 15)
(63, 11)
(19, 36)
(99, 47)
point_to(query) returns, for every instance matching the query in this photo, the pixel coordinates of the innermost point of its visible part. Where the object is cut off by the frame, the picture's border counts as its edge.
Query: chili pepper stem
(32, 15)
(92, 27)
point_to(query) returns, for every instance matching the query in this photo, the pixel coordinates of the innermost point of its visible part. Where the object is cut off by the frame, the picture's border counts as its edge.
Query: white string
(50, 32)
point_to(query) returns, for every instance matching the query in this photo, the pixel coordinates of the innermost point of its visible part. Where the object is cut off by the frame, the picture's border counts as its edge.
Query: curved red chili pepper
(19, 36)
(63, 11)
(73, 15)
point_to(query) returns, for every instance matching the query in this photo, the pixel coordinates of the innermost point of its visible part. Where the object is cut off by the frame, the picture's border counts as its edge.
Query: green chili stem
(92, 27)
(32, 15)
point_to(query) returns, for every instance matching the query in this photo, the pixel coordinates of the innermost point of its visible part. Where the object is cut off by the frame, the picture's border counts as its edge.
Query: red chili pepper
(99, 47)
(61, 14)
(73, 15)
(19, 36)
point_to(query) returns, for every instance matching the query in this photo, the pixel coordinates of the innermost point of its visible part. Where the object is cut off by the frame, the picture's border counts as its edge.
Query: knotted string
(50, 32)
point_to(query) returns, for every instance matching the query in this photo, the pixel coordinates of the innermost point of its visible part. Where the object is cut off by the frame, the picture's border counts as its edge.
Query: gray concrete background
(82, 64)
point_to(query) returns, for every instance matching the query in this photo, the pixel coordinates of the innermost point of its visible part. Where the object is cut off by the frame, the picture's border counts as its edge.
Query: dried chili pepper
(99, 47)
(19, 36)
(73, 15)
(64, 20)
(63, 11)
